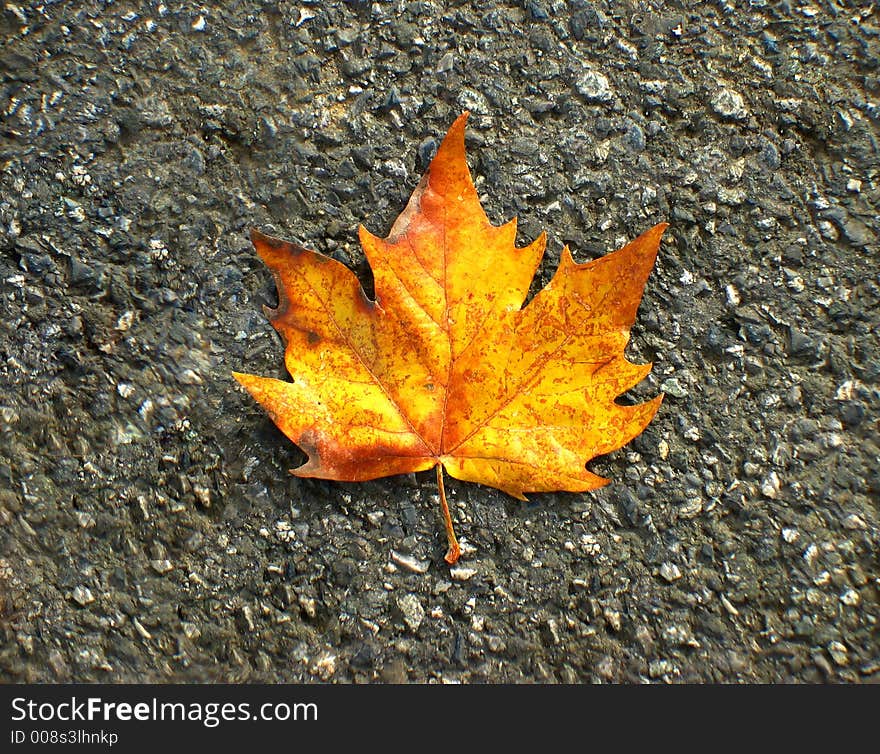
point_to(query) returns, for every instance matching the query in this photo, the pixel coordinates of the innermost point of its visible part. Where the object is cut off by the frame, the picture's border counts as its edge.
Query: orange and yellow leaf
(446, 366)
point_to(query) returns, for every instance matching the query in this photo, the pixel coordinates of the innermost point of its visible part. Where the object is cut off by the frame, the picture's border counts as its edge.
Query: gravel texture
(150, 531)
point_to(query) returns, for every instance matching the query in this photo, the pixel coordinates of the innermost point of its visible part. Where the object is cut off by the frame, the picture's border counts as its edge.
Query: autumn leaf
(446, 368)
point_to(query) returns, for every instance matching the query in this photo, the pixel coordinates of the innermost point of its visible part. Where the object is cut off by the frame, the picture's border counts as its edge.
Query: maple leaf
(446, 368)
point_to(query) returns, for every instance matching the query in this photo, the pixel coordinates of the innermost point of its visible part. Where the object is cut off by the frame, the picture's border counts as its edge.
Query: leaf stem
(454, 551)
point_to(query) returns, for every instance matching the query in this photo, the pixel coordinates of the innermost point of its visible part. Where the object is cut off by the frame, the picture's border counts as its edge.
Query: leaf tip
(265, 244)
(455, 134)
(645, 412)
(566, 260)
(656, 401)
(252, 383)
(650, 239)
(449, 164)
(275, 252)
(240, 377)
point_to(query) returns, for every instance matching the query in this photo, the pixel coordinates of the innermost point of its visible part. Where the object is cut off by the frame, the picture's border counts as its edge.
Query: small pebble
(729, 104)
(325, 666)
(732, 295)
(691, 508)
(161, 566)
(770, 486)
(838, 653)
(612, 618)
(663, 449)
(308, 605)
(670, 572)
(460, 573)
(476, 102)
(189, 377)
(138, 626)
(854, 521)
(409, 562)
(83, 596)
(658, 668)
(594, 87)
(446, 63)
(790, 535)
(202, 495)
(495, 644)
(411, 611)
(674, 388)
(85, 519)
